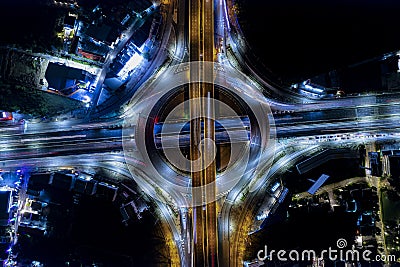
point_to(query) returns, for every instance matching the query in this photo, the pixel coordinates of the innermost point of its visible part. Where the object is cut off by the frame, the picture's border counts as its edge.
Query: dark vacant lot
(301, 39)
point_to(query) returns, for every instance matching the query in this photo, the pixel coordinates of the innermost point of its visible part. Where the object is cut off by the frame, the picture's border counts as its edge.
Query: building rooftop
(83, 186)
(62, 181)
(5, 201)
(69, 21)
(38, 182)
(140, 5)
(140, 35)
(108, 191)
(60, 76)
(314, 188)
(103, 33)
(92, 47)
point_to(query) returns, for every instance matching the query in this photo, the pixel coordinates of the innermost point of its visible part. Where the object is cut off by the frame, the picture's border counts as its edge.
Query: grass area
(390, 214)
(391, 208)
(19, 87)
(23, 68)
(35, 102)
(30, 25)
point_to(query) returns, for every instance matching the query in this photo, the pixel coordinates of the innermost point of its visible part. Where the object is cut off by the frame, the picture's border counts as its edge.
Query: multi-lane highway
(60, 143)
(43, 135)
(198, 231)
(307, 123)
(49, 142)
(201, 49)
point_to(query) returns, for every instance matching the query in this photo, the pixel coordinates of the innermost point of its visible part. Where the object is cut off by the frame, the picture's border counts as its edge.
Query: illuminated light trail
(53, 138)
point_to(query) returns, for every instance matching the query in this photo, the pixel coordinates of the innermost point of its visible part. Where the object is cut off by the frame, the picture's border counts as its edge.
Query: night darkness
(305, 38)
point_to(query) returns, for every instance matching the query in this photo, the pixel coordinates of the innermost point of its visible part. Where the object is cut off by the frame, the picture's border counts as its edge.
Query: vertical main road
(202, 152)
